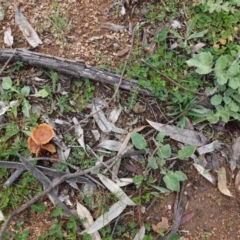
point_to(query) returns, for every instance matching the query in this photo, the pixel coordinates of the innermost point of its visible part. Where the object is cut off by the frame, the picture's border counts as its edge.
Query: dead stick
(49, 189)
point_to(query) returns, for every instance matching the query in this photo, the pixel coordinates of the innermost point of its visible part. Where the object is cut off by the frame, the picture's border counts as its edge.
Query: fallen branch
(68, 67)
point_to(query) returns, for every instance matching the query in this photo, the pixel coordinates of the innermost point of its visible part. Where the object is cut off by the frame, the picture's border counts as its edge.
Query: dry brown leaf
(161, 225)
(222, 182)
(223, 41)
(197, 46)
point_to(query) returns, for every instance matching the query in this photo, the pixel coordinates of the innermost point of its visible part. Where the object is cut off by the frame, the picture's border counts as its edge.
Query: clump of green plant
(18, 93)
(226, 72)
(60, 25)
(82, 93)
(133, 98)
(162, 155)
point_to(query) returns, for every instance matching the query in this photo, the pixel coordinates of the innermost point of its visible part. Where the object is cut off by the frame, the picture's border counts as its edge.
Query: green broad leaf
(137, 180)
(221, 77)
(160, 136)
(43, 93)
(227, 99)
(8, 135)
(202, 61)
(57, 212)
(153, 163)
(225, 116)
(221, 63)
(234, 82)
(213, 117)
(233, 106)
(162, 35)
(218, 6)
(186, 152)
(25, 91)
(220, 70)
(164, 151)
(6, 83)
(26, 108)
(190, 26)
(181, 176)
(171, 182)
(175, 34)
(174, 236)
(216, 99)
(138, 141)
(233, 70)
(197, 34)
(160, 189)
(38, 207)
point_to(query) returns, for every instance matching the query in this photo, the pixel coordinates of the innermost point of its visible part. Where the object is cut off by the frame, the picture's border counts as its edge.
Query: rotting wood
(68, 67)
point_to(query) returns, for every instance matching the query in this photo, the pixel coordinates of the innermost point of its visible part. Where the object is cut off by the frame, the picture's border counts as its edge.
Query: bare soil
(215, 216)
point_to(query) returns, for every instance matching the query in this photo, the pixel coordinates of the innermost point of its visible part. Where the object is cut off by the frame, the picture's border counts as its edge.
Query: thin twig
(171, 80)
(6, 63)
(50, 188)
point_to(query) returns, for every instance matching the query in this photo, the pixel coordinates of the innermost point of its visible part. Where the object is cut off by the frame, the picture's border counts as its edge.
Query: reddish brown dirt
(216, 216)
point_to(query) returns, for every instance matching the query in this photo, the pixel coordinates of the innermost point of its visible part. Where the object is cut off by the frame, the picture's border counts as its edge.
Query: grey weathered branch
(68, 67)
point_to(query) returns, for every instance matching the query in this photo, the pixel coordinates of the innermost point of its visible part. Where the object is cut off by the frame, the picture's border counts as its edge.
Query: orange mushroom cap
(32, 146)
(49, 147)
(42, 134)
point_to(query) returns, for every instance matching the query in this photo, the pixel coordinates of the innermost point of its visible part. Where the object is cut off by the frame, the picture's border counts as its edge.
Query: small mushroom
(33, 147)
(42, 134)
(49, 147)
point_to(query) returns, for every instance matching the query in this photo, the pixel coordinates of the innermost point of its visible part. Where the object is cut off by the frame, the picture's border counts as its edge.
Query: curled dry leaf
(110, 145)
(27, 30)
(8, 38)
(2, 218)
(237, 181)
(84, 214)
(235, 153)
(114, 115)
(222, 182)
(116, 190)
(209, 147)
(204, 173)
(187, 218)
(140, 235)
(79, 132)
(114, 211)
(196, 47)
(161, 225)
